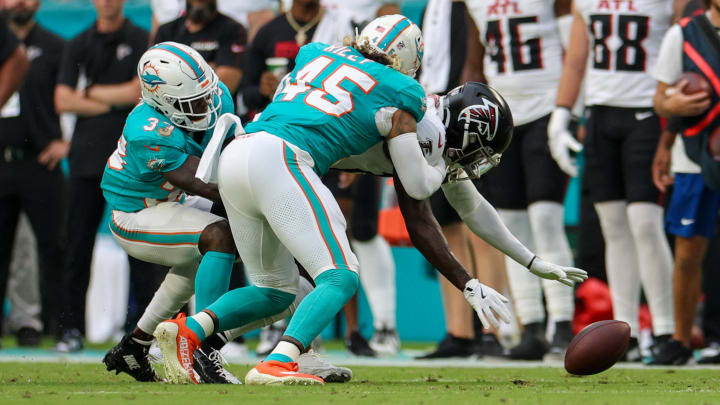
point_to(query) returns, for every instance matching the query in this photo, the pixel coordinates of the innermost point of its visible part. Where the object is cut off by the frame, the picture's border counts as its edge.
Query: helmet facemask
(196, 113)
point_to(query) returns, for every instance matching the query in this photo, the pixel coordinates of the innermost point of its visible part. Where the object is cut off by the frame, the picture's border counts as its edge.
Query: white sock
(377, 275)
(287, 349)
(655, 263)
(172, 294)
(206, 321)
(621, 262)
(524, 286)
(551, 244)
(304, 288)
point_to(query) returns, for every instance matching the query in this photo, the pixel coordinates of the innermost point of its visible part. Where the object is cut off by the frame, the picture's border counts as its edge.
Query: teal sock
(212, 278)
(278, 357)
(317, 309)
(247, 304)
(195, 327)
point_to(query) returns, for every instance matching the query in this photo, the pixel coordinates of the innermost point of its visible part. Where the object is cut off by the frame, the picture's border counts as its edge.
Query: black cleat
(670, 353)
(70, 342)
(488, 346)
(632, 353)
(560, 342)
(532, 344)
(710, 354)
(132, 358)
(451, 346)
(211, 368)
(28, 337)
(358, 345)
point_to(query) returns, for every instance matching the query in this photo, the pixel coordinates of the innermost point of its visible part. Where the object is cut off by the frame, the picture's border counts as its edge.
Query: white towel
(208, 166)
(436, 33)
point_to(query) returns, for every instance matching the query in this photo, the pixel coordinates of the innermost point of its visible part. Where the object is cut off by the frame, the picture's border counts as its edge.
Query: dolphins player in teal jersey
(338, 101)
(145, 182)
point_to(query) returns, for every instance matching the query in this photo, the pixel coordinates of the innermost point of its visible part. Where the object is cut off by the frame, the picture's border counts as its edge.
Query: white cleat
(177, 345)
(312, 363)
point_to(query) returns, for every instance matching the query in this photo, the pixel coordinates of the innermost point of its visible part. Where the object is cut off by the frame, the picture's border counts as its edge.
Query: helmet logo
(486, 116)
(150, 78)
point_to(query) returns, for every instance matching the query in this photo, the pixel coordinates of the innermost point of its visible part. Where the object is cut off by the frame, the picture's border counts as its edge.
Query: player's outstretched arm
(485, 222)
(427, 237)
(184, 178)
(418, 178)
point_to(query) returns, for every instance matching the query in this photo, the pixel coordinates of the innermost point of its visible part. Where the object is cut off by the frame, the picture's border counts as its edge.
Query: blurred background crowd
(68, 80)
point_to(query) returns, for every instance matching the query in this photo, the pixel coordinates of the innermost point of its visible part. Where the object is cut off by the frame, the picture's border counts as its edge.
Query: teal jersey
(327, 105)
(149, 146)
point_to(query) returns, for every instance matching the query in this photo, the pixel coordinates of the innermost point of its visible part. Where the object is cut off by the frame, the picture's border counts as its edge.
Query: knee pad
(345, 281)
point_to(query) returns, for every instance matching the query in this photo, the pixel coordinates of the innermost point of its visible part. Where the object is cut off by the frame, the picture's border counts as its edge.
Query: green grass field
(22, 383)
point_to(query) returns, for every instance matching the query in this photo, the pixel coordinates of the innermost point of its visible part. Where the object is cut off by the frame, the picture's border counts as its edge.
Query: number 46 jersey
(625, 39)
(523, 53)
(337, 103)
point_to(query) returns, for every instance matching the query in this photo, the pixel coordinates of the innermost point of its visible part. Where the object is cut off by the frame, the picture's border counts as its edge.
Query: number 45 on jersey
(327, 97)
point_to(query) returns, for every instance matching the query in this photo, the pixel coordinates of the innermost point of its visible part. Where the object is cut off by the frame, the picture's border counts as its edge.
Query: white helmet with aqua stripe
(179, 83)
(398, 38)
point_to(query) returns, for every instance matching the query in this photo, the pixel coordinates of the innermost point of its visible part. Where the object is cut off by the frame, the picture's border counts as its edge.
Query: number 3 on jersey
(331, 99)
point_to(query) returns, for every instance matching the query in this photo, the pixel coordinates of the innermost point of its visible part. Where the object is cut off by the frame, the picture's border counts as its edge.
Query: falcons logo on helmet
(486, 116)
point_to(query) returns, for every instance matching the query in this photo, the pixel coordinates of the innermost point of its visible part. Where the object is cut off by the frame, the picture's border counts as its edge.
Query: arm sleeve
(419, 179)
(154, 155)
(232, 47)
(484, 221)
(669, 65)
(69, 65)
(8, 42)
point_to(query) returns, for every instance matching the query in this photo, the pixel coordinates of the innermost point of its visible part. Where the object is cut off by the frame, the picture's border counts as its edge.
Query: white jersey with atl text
(523, 53)
(625, 39)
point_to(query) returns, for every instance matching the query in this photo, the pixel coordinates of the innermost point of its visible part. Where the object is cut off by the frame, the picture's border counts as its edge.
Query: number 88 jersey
(523, 53)
(624, 42)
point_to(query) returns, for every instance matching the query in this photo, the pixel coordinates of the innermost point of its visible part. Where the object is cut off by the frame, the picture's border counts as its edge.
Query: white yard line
(340, 358)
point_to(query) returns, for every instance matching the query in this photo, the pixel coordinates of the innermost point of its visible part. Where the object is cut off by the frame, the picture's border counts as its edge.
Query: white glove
(485, 300)
(560, 140)
(551, 271)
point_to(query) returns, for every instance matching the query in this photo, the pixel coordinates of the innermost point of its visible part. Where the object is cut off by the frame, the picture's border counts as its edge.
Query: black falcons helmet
(479, 128)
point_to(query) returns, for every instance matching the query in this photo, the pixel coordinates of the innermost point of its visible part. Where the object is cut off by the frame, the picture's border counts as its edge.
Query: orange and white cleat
(276, 372)
(178, 343)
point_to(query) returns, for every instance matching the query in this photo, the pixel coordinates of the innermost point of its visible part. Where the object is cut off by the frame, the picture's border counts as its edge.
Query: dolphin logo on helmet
(180, 84)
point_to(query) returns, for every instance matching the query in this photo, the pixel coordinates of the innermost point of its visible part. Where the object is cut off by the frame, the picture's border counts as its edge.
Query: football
(696, 83)
(597, 347)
